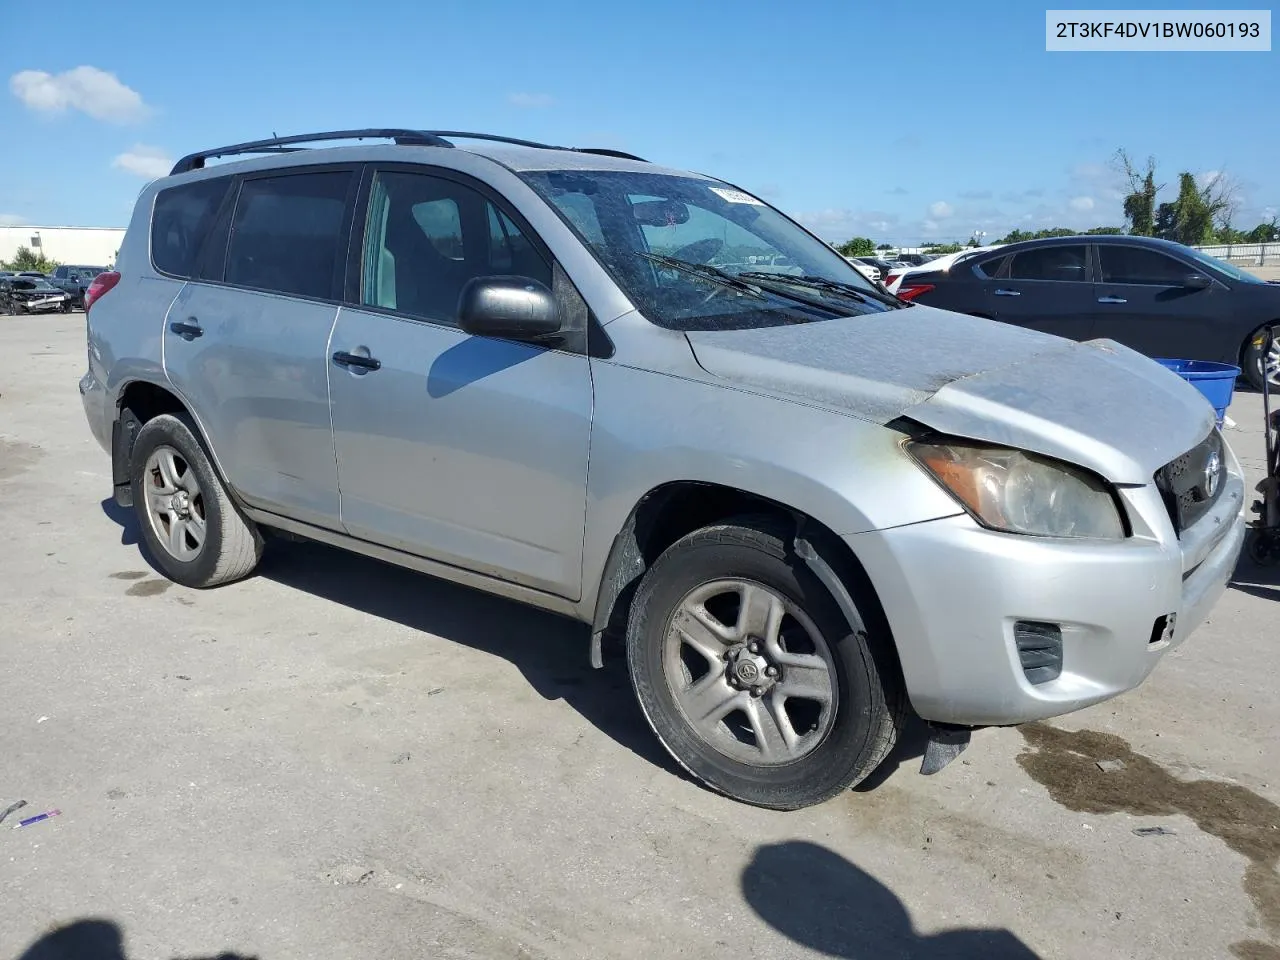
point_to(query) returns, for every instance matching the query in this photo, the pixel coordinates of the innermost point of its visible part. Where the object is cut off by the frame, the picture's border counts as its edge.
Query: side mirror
(1196, 281)
(513, 308)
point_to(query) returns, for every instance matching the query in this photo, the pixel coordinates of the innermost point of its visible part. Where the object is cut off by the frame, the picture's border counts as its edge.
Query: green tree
(1140, 201)
(857, 247)
(884, 246)
(940, 248)
(1104, 231)
(24, 258)
(1264, 232)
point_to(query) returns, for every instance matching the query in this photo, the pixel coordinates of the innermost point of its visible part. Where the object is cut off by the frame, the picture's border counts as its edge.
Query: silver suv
(647, 400)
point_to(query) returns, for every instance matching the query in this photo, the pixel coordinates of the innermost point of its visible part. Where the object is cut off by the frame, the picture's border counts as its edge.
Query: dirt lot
(337, 759)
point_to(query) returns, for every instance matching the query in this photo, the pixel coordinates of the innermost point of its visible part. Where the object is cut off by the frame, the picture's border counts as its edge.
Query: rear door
(246, 339)
(1046, 288)
(1142, 303)
(469, 450)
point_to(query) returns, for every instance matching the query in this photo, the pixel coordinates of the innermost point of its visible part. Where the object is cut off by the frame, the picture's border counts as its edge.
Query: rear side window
(1051, 263)
(180, 221)
(1122, 264)
(989, 268)
(287, 234)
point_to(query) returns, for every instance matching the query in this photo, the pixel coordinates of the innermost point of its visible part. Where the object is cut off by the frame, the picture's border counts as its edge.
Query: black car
(23, 294)
(1162, 299)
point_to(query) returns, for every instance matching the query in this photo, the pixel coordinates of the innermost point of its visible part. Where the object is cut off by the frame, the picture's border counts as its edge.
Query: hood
(1098, 404)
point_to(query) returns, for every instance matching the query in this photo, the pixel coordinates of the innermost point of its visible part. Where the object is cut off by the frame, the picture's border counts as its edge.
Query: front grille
(1192, 483)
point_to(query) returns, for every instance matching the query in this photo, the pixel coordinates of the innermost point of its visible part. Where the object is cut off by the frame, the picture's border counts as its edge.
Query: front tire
(750, 674)
(1253, 361)
(192, 531)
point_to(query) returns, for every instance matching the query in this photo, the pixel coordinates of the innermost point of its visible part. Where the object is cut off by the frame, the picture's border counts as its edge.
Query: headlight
(1021, 492)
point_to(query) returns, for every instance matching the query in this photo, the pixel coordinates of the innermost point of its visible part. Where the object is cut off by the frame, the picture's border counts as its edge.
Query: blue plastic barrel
(1216, 381)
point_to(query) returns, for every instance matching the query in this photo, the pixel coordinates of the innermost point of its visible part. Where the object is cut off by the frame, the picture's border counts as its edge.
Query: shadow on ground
(823, 902)
(1257, 580)
(92, 939)
(550, 651)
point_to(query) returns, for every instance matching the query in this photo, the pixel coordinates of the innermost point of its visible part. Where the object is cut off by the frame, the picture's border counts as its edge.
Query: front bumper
(952, 592)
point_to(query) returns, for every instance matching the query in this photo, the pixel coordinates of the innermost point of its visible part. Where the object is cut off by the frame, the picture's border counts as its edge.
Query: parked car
(26, 294)
(801, 506)
(915, 259)
(75, 280)
(882, 265)
(868, 270)
(893, 279)
(1160, 298)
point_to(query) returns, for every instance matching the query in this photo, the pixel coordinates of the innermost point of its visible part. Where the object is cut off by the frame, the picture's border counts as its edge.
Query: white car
(866, 269)
(894, 280)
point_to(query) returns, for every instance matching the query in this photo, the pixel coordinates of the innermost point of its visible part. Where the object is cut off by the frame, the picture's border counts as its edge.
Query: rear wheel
(751, 676)
(192, 530)
(1257, 358)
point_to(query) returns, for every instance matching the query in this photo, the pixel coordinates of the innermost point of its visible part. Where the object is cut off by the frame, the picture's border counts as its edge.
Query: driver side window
(426, 237)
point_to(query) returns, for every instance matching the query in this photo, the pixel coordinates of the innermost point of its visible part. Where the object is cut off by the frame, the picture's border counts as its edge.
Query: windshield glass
(694, 254)
(1222, 266)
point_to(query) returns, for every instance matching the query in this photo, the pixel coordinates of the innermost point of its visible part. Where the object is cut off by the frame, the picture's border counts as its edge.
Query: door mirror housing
(512, 308)
(1196, 281)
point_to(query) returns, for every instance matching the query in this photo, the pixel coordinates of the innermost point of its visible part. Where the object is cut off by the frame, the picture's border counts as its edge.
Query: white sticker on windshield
(735, 196)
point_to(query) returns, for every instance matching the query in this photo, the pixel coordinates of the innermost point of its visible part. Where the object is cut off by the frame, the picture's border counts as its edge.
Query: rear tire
(192, 531)
(756, 726)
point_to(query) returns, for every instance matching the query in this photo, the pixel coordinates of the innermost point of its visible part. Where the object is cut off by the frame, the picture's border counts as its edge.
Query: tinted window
(1051, 263)
(989, 268)
(425, 237)
(287, 233)
(1135, 265)
(180, 221)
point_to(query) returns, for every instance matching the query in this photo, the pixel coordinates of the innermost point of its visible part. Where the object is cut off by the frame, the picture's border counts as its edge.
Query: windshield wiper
(824, 283)
(707, 272)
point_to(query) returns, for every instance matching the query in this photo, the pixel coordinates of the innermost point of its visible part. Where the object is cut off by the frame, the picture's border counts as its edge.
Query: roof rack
(402, 137)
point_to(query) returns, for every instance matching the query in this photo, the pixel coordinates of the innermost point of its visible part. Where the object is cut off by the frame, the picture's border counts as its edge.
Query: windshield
(1235, 273)
(694, 254)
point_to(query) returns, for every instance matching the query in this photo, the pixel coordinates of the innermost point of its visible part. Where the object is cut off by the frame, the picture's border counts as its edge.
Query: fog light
(1039, 650)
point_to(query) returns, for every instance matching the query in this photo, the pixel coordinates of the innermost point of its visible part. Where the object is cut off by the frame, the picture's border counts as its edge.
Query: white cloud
(1208, 178)
(1082, 203)
(87, 89)
(941, 210)
(144, 161)
(11, 220)
(530, 101)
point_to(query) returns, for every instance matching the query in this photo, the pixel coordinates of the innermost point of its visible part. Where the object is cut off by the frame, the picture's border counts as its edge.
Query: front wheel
(1259, 357)
(192, 530)
(750, 674)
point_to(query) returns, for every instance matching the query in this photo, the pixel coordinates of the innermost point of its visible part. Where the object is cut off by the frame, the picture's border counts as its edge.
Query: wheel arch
(137, 402)
(670, 511)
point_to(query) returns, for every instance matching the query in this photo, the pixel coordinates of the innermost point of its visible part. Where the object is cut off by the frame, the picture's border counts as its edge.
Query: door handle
(1008, 293)
(1112, 300)
(355, 360)
(187, 329)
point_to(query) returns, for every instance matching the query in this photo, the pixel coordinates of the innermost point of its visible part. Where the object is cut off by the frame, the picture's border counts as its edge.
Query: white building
(90, 246)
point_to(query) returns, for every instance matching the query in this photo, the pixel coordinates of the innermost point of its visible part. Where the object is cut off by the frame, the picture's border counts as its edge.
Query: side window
(989, 268)
(426, 236)
(287, 233)
(1121, 264)
(180, 220)
(1051, 263)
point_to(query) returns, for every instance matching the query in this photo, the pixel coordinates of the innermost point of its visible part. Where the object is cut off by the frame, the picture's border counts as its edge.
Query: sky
(902, 122)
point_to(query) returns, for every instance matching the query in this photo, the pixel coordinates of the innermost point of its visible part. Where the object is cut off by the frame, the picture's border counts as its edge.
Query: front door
(248, 348)
(1141, 302)
(1047, 289)
(467, 450)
